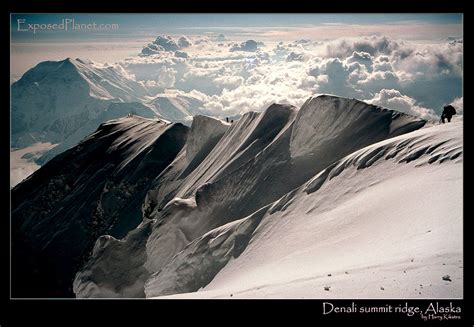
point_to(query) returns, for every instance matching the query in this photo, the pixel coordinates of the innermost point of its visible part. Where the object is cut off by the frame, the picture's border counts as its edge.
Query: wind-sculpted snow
(424, 147)
(384, 221)
(331, 127)
(259, 159)
(204, 134)
(95, 188)
(114, 251)
(204, 130)
(203, 258)
(252, 135)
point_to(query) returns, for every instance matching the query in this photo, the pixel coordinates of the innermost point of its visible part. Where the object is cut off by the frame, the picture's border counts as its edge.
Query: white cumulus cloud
(235, 76)
(393, 99)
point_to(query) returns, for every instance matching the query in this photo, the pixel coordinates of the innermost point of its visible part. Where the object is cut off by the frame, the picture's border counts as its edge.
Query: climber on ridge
(448, 112)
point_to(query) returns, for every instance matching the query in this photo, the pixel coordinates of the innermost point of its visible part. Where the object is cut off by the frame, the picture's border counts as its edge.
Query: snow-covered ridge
(94, 188)
(249, 136)
(260, 158)
(331, 117)
(114, 110)
(427, 146)
(366, 204)
(173, 209)
(203, 130)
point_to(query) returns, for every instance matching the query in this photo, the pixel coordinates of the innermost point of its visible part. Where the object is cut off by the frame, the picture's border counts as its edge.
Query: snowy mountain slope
(383, 222)
(260, 158)
(61, 102)
(107, 82)
(204, 133)
(112, 111)
(177, 108)
(56, 99)
(95, 188)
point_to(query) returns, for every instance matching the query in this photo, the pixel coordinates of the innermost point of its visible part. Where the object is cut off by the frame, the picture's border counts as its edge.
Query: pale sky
(130, 32)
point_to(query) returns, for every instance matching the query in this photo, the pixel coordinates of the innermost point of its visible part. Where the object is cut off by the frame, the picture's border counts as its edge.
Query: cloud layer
(236, 77)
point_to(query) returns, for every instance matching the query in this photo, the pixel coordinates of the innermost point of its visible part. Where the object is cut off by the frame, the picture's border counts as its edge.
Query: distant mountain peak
(56, 99)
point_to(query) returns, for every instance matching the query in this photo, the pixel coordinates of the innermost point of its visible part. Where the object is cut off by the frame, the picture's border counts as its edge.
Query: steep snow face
(251, 135)
(56, 99)
(181, 219)
(112, 111)
(204, 130)
(204, 134)
(260, 158)
(329, 127)
(383, 222)
(95, 188)
(223, 187)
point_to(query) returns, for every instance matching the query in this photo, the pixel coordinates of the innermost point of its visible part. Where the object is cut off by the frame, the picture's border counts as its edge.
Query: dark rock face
(93, 189)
